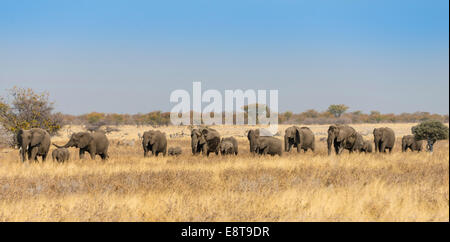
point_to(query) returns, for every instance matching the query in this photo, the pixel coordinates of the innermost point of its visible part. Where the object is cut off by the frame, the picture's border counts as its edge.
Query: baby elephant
(174, 151)
(366, 147)
(61, 155)
(226, 148)
(409, 142)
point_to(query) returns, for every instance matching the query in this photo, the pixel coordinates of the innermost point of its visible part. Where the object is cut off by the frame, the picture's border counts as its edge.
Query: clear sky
(127, 56)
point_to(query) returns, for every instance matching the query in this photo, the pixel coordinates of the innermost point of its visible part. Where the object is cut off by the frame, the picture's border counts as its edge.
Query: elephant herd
(204, 140)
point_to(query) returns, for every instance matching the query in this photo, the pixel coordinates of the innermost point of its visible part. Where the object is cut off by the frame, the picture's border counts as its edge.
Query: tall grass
(294, 187)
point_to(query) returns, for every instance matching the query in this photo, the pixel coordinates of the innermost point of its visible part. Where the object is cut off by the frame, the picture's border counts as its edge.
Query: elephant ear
(385, 135)
(85, 139)
(37, 137)
(341, 135)
(298, 135)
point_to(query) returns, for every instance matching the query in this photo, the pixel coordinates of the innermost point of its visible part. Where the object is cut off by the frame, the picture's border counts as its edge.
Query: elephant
(342, 137)
(302, 138)
(226, 148)
(383, 138)
(264, 145)
(410, 142)
(362, 145)
(367, 147)
(95, 143)
(174, 151)
(61, 155)
(234, 143)
(154, 141)
(205, 140)
(34, 142)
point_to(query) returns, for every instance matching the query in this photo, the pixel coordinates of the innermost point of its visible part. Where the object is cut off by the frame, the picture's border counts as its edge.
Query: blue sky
(127, 56)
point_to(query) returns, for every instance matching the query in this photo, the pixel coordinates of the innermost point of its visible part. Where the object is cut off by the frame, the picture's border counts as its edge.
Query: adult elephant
(154, 141)
(302, 138)
(384, 138)
(94, 143)
(264, 145)
(409, 142)
(34, 142)
(205, 140)
(342, 137)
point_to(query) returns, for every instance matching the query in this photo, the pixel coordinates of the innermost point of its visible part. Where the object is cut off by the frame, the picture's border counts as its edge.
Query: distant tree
(375, 116)
(28, 109)
(431, 131)
(311, 113)
(337, 109)
(285, 117)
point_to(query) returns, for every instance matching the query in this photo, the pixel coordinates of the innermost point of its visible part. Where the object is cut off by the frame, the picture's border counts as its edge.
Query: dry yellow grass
(296, 187)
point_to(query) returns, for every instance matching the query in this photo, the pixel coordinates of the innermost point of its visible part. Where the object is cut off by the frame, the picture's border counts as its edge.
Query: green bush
(431, 131)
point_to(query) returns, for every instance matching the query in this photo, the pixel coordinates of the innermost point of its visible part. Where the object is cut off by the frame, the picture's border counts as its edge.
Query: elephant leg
(92, 153)
(336, 148)
(33, 154)
(383, 147)
(340, 149)
(155, 150)
(145, 152)
(81, 153)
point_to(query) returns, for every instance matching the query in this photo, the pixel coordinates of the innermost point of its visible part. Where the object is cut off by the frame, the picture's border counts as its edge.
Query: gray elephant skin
(409, 142)
(154, 141)
(61, 155)
(362, 145)
(205, 141)
(383, 138)
(34, 142)
(174, 151)
(228, 146)
(94, 143)
(302, 138)
(264, 145)
(341, 137)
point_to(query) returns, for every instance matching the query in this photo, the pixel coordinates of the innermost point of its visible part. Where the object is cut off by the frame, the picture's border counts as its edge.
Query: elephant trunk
(252, 146)
(23, 151)
(330, 142)
(69, 144)
(286, 143)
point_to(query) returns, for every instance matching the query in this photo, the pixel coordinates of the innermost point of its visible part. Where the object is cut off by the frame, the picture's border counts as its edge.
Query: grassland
(296, 187)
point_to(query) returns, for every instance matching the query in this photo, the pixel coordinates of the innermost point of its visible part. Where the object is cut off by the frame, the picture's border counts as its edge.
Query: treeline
(308, 117)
